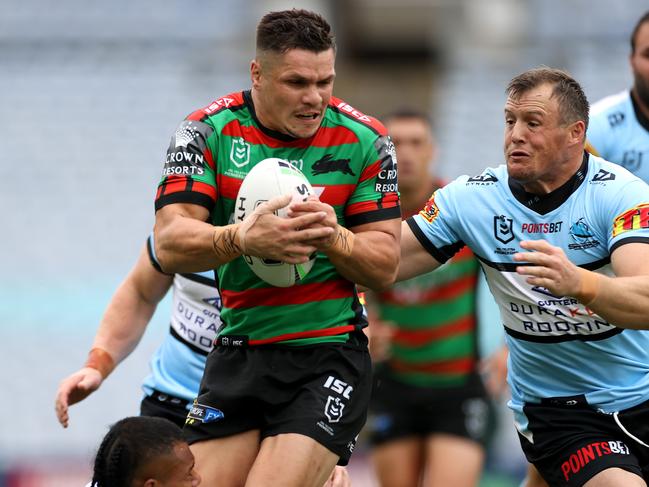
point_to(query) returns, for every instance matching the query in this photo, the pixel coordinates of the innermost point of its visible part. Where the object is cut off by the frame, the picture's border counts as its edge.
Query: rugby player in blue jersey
(177, 365)
(619, 123)
(562, 237)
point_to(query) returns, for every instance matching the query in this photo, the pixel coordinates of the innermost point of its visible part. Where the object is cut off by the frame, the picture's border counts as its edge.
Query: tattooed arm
(366, 254)
(186, 243)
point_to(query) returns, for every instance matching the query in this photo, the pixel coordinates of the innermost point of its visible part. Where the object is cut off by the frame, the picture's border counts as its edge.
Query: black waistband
(169, 399)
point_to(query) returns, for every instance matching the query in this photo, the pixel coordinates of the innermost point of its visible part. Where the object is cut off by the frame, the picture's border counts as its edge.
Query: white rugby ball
(270, 178)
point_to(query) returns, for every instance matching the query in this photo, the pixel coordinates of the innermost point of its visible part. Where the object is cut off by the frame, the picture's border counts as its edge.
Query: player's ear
(151, 483)
(255, 72)
(578, 132)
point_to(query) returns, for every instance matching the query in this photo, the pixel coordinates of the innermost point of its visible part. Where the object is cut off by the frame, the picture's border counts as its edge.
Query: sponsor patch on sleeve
(386, 179)
(204, 414)
(430, 211)
(635, 218)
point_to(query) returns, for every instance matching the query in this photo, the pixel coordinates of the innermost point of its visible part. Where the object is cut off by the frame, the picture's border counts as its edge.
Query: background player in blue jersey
(177, 365)
(562, 236)
(619, 124)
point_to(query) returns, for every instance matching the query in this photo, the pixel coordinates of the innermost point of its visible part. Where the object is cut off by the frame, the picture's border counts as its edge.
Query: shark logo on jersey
(240, 152)
(603, 175)
(503, 229)
(581, 233)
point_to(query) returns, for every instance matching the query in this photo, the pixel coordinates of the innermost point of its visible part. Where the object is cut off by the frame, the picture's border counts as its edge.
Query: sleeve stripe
(152, 257)
(373, 216)
(185, 197)
(628, 240)
(425, 243)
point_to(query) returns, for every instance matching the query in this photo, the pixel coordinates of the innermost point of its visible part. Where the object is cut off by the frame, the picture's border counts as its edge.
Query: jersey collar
(545, 203)
(247, 99)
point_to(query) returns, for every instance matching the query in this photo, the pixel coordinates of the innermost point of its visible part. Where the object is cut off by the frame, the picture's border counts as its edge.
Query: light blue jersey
(618, 131)
(558, 347)
(177, 365)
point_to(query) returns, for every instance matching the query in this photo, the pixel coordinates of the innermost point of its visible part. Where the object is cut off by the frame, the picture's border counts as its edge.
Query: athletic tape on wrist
(99, 359)
(589, 287)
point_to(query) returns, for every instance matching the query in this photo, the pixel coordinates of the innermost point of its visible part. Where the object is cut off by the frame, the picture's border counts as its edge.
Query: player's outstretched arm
(415, 259)
(120, 330)
(186, 243)
(622, 300)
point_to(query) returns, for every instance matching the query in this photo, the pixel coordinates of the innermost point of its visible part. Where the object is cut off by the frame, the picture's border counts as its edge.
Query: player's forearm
(124, 322)
(371, 262)
(189, 245)
(622, 301)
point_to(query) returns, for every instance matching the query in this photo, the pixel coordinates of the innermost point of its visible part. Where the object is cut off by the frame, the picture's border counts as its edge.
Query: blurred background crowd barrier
(90, 93)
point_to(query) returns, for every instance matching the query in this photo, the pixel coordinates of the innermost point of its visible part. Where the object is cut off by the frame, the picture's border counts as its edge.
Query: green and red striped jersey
(434, 344)
(350, 163)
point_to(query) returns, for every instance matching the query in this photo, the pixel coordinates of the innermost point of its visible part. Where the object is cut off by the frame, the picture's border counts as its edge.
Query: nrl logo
(503, 229)
(240, 152)
(334, 409)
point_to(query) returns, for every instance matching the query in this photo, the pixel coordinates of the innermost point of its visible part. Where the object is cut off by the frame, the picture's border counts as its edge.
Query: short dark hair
(130, 444)
(573, 104)
(407, 112)
(294, 29)
(634, 34)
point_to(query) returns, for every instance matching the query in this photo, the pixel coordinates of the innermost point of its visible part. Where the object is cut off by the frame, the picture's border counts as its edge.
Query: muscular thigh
(226, 461)
(291, 460)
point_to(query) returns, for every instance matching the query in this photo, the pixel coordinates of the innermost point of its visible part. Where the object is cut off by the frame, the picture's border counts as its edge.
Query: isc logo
(338, 386)
(349, 109)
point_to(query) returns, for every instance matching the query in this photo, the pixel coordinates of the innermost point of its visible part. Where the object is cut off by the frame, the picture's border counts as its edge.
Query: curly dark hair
(130, 444)
(294, 29)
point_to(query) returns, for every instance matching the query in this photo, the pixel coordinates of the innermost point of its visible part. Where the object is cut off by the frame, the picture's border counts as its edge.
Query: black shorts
(320, 391)
(165, 406)
(399, 410)
(572, 443)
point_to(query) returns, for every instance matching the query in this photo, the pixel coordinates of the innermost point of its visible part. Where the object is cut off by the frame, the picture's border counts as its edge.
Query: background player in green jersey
(429, 407)
(286, 387)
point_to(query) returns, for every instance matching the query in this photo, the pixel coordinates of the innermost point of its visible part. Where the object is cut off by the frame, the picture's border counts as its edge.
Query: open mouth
(308, 116)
